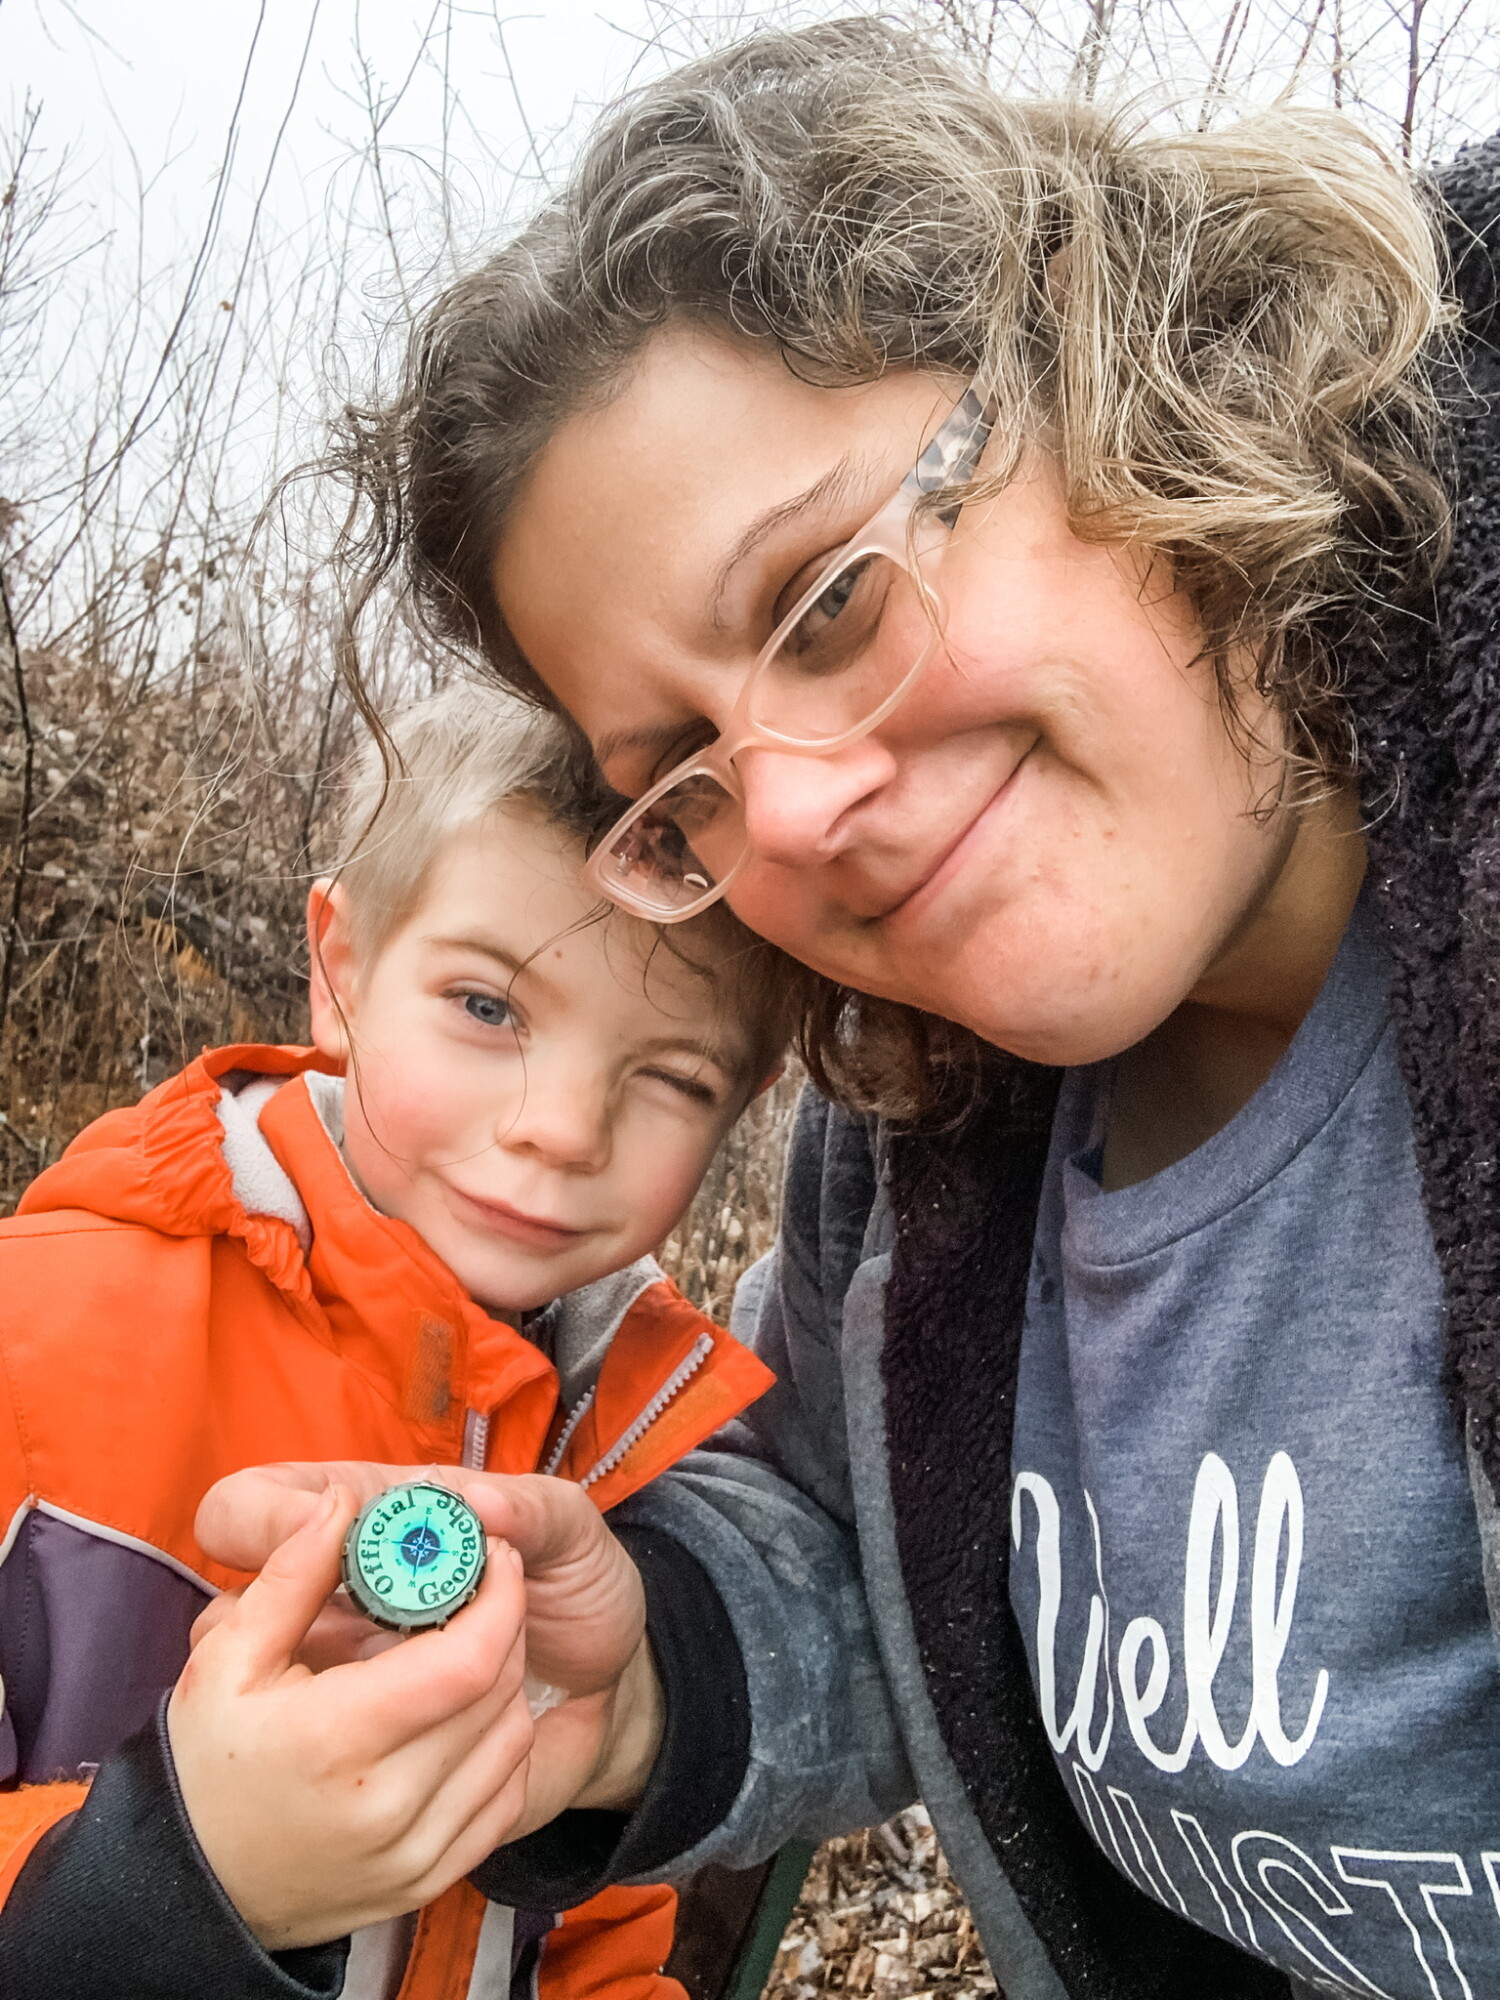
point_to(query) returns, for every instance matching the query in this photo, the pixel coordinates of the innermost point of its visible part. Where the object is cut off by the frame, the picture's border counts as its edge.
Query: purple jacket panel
(530, 1934)
(92, 1635)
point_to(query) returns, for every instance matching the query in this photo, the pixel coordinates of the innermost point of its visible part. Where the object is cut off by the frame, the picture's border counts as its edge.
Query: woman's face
(1053, 840)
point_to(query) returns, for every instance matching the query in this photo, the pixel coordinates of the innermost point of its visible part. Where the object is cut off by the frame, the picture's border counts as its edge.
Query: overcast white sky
(158, 79)
(139, 102)
(141, 93)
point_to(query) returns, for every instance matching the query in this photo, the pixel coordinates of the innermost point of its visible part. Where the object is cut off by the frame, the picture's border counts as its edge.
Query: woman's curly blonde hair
(1227, 337)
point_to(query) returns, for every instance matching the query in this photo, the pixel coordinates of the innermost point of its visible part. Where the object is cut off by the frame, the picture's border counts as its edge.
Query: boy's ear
(330, 994)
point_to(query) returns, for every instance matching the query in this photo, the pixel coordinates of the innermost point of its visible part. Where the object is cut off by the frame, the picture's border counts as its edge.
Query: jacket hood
(187, 1162)
(161, 1164)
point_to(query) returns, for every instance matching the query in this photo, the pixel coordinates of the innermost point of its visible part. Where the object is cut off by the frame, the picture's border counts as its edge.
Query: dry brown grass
(733, 1221)
(165, 867)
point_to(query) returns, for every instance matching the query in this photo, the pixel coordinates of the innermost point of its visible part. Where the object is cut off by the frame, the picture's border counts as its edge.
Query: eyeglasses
(847, 653)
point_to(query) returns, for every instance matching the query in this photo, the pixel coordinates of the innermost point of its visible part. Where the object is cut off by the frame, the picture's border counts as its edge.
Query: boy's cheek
(416, 1109)
(385, 1147)
(661, 1181)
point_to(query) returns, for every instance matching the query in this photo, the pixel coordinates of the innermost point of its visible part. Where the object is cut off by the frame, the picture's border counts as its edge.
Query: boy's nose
(797, 808)
(562, 1117)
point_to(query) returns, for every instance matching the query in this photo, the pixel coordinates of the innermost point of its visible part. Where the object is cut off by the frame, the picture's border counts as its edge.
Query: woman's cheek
(779, 905)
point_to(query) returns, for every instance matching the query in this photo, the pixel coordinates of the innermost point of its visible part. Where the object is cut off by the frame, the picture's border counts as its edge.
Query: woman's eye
(830, 602)
(842, 619)
(488, 1009)
(687, 745)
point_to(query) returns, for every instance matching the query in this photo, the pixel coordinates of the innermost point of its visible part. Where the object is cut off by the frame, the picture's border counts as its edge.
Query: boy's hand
(327, 1801)
(585, 1610)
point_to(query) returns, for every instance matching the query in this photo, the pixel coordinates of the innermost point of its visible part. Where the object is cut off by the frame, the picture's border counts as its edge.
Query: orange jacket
(156, 1333)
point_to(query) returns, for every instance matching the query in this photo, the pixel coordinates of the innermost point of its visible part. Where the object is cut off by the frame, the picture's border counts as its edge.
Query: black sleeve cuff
(116, 1902)
(704, 1755)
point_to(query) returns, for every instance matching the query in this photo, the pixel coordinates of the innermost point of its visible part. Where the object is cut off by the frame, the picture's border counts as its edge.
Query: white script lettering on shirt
(1207, 1623)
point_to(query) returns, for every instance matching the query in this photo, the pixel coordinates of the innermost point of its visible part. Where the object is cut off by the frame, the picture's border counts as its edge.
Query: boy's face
(538, 1102)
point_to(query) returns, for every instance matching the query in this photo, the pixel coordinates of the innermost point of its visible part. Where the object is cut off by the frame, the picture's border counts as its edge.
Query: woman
(1124, 767)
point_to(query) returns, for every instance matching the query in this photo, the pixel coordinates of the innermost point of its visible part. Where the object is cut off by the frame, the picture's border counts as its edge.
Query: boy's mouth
(537, 1232)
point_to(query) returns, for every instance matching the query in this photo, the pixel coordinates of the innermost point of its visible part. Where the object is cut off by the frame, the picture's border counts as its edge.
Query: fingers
(265, 1627)
(404, 1688)
(339, 1634)
(250, 1513)
(482, 1803)
(244, 1516)
(551, 1522)
(585, 1604)
(570, 1744)
(418, 1685)
(324, 1800)
(212, 1615)
(430, 1762)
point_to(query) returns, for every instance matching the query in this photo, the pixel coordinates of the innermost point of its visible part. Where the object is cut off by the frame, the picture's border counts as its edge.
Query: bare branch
(11, 663)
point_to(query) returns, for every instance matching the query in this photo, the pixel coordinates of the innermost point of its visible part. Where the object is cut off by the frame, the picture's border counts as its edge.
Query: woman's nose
(798, 809)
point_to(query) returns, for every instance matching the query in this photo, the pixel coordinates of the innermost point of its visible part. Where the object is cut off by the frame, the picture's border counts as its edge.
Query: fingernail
(326, 1508)
(515, 1560)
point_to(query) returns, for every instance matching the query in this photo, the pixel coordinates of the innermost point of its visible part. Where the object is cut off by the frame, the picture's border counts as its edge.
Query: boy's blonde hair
(451, 760)
(446, 763)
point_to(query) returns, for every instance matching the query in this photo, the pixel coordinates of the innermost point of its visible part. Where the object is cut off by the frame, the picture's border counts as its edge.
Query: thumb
(552, 1523)
(585, 1606)
(266, 1627)
(245, 1515)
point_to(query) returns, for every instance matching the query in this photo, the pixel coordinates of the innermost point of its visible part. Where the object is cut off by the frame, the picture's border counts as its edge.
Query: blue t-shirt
(1245, 1561)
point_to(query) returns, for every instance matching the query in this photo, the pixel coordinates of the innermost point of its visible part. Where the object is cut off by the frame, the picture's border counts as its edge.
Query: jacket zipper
(680, 1376)
(565, 1436)
(477, 1425)
(476, 1440)
(683, 1373)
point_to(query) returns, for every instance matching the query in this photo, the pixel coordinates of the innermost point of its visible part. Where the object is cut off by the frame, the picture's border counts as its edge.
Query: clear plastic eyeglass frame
(950, 459)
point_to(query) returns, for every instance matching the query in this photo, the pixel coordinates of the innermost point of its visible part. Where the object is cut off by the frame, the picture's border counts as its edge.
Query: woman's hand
(585, 1611)
(327, 1801)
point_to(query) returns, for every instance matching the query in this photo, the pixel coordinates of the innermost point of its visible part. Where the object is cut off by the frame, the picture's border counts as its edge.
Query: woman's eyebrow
(657, 737)
(833, 484)
(847, 472)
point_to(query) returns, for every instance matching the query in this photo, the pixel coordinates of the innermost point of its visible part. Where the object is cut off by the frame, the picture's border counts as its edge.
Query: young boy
(424, 1239)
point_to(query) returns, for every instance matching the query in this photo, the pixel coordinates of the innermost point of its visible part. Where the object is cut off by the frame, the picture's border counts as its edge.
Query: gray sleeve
(767, 1512)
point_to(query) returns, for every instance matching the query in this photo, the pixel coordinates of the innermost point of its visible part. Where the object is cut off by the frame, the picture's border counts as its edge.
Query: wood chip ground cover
(880, 1914)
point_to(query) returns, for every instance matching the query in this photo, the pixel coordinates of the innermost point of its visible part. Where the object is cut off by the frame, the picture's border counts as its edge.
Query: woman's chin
(1057, 1046)
(1043, 1021)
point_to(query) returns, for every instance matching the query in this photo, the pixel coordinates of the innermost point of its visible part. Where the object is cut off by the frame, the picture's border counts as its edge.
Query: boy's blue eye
(488, 1009)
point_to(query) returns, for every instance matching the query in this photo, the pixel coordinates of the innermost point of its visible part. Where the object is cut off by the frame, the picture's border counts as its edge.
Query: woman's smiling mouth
(915, 905)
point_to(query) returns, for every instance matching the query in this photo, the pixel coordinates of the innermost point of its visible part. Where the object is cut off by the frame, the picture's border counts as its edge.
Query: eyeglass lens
(844, 656)
(864, 634)
(681, 846)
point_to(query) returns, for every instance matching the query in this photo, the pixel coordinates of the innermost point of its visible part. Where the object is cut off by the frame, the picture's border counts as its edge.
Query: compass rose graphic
(414, 1557)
